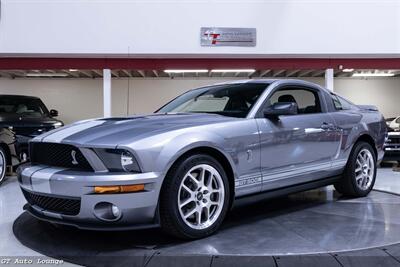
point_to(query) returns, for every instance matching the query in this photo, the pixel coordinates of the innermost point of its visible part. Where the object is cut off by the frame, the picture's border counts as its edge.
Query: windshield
(234, 100)
(22, 106)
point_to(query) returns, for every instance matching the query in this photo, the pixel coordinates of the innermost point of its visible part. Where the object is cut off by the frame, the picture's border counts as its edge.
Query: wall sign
(217, 36)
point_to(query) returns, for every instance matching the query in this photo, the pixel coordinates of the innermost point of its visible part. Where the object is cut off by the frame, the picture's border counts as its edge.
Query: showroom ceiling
(190, 73)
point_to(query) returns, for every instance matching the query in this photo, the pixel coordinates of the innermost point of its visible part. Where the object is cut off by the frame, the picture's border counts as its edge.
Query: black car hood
(28, 126)
(16, 120)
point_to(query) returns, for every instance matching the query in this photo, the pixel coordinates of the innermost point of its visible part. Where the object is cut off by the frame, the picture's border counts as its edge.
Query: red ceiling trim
(196, 63)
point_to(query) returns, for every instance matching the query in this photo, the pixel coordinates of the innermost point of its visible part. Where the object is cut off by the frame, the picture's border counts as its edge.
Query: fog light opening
(106, 211)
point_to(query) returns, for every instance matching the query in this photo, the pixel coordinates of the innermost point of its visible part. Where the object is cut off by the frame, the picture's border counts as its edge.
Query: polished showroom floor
(378, 224)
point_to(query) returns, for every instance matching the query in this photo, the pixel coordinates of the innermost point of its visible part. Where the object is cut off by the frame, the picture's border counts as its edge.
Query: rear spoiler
(368, 107)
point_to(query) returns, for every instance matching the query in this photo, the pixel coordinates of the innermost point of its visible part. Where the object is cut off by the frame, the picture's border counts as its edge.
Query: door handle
(327, 126)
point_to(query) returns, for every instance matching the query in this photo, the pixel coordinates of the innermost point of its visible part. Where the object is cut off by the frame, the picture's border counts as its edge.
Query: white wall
(384, 93)
(172, 27)
(74, 99)
(78, 99)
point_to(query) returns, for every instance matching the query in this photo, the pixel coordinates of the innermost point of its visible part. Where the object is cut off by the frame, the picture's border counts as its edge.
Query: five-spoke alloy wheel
(195, 197)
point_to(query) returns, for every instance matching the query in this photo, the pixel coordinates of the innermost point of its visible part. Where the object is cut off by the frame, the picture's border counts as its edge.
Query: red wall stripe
(196, 63)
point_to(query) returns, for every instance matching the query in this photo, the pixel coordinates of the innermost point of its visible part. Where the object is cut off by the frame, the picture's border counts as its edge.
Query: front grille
(393, 140)
(58, 155)
(63, 205)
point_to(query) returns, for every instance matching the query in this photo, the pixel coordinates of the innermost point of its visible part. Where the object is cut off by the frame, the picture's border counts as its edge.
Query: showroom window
(306, 100)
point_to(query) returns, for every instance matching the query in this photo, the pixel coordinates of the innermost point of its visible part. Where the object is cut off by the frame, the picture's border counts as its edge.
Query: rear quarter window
(340, 103)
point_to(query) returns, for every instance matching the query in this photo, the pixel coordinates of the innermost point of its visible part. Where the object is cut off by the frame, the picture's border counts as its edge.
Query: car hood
(111, 132)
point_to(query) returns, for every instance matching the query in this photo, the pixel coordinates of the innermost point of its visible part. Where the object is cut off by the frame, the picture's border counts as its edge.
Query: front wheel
(359, 176)
(195, 197)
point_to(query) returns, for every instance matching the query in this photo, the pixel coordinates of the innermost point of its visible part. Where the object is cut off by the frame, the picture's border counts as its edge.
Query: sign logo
(219, 36)
(213, 37)
(73, 155)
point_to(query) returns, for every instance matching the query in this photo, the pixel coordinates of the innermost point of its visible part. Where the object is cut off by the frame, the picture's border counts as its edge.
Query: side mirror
(53, 113)
(281, 108)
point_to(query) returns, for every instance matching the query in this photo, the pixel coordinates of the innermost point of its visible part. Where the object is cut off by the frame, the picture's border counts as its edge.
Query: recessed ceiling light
(46, 74)
(373, 74)
(348, 70)
(233, 70)
(73, 70)
(185, 71)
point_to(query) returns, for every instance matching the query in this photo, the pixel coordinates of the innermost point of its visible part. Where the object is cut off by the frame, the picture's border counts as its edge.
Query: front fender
(180, 146)
(158, 153)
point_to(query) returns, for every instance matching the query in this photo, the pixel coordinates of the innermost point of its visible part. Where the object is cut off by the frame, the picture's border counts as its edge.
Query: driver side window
(306, 100)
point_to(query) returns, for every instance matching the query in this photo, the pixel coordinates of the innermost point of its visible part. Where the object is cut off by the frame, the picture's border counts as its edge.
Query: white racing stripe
(26, 175)
(41, 179)
(64, 133)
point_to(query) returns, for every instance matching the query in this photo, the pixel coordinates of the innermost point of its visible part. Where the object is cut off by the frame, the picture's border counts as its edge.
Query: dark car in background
(388, 122)
(9, 157)
(392, 143)
(26, 117)
(392, 147)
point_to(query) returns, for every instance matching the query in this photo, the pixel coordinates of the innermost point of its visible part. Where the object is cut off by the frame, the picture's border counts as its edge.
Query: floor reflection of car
(27, 117)
(8, 153)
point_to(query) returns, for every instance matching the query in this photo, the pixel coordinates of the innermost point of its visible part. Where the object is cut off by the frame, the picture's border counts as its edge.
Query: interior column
(106, 92)
(329, 79)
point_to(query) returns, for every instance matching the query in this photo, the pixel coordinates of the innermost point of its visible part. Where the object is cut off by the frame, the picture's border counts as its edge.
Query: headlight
(118, 160)
(128, 162)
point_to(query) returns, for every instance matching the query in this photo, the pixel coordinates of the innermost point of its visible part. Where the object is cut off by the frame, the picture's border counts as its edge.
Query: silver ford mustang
(184, 166)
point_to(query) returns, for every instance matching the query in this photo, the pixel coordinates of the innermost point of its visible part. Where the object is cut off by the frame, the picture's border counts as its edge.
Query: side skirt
(244, 200)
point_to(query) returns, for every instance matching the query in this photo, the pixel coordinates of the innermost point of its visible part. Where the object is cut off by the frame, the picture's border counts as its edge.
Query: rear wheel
(195, 198)
(360, 173)
(3, 165)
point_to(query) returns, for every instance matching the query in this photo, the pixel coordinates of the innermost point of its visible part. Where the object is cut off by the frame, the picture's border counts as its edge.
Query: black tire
(3, 165)
(348, 184)
(171, 219)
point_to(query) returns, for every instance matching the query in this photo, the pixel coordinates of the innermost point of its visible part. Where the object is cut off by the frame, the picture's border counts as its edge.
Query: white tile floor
(388, 180)
(11, 202)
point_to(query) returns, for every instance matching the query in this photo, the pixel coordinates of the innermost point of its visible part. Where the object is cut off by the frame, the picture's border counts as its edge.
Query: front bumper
(138, 209)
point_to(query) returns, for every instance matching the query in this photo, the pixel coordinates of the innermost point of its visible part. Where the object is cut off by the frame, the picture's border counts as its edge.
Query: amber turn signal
(114, 189)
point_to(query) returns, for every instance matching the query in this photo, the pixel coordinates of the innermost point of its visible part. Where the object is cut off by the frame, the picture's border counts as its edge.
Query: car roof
(270, 81)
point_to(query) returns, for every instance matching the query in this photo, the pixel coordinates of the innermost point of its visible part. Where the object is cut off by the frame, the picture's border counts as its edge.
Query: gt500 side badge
(248, 181)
